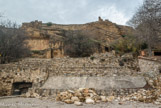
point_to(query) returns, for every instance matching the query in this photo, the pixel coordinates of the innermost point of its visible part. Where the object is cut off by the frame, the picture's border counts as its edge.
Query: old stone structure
(40, 73)
(41, 35)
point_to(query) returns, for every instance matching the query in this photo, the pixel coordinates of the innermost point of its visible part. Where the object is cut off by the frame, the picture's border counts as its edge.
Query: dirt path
(37, 103)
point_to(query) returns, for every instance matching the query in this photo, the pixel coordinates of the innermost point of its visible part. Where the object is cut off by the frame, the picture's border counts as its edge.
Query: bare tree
(12, 42)
(147, 22)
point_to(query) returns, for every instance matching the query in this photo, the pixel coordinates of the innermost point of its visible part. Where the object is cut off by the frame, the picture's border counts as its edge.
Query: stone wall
(114, 71)
(37, 71)
(150, 67)
(97, 65)
(28, 70)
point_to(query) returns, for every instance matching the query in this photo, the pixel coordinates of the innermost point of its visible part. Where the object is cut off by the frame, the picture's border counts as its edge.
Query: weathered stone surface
(75, 99)
(78, 103)
(40, 34)
(149, 67)
(68, 101)
(89, 101)
(103, 98)
(152, 95)
(110, 98)
(94, 82)
(102, 73)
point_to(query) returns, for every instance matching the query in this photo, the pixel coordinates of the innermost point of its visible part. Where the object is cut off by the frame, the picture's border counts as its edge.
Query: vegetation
(49, 24)
(12, 43)
(128, 44)
(79, 44)
(147, 23)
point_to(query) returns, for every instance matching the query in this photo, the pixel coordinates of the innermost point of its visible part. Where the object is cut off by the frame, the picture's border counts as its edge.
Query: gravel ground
(37, 103)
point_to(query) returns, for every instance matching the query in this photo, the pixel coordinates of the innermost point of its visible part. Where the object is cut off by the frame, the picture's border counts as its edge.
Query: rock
(28, 94)
(103, 98)
(81, 89)
(110, 98)
(121, 103)
(78, 103)
(35, 95)
(75, 99)
(68, 101)
(98, 101)
(90, 101)
(63, 93)
(71, 91)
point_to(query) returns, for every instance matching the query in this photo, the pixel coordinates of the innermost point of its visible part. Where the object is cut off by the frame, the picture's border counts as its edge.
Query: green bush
(49, 24)
(92, 57)
(126, 45)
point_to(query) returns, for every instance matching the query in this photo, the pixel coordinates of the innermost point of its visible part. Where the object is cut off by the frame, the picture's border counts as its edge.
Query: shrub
(126, 45)
(92, 57)
(79, 44)
(49, 24)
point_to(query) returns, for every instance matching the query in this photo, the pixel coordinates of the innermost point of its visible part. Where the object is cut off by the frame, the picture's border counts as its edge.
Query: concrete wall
(98, 83)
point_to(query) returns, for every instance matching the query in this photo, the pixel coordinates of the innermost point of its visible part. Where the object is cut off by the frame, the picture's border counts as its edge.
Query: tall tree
(12, 42)
(147, 22)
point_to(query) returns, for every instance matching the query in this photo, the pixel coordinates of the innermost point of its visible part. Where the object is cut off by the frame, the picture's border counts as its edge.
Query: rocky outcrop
(41, 34)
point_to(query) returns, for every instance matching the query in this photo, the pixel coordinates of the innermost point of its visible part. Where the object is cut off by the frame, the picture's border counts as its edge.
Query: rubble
(152, 95)
(78, 103)
(80, 96)
(89, 96)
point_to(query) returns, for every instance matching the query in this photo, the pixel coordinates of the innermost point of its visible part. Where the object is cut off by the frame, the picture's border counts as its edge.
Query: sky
(68, 11)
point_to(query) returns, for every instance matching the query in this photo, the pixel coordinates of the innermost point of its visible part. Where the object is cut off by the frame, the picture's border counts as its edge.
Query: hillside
(40, 34)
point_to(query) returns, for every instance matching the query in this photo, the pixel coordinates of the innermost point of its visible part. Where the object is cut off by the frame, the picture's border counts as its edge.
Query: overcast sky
(68, 11)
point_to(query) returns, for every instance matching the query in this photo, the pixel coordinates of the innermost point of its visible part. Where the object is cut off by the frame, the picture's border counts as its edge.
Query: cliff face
(41, 35)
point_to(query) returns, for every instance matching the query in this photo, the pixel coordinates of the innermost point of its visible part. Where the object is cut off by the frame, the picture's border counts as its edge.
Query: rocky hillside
(40, 34)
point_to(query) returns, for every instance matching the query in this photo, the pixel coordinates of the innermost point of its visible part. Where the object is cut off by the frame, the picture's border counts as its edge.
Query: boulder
(75, 99)
(78, 103)
(90, 101)
(68, 101)
(103, 98)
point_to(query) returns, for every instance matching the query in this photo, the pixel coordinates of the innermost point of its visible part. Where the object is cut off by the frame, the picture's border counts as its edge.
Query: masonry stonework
(39, 71)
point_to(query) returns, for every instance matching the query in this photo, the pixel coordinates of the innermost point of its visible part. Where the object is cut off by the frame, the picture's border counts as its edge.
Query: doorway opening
(157, 53)
(107, 49)
(19, 88)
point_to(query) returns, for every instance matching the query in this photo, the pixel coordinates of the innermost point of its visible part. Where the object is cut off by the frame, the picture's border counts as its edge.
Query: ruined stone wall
(37, 71)
(97, 65)
(149, 66)
(102, 67)
(34, 71)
